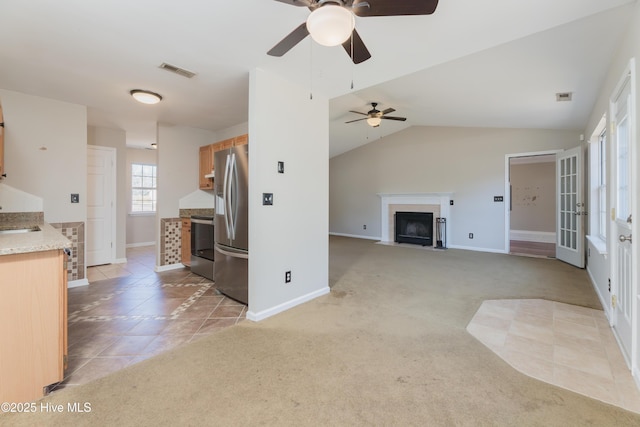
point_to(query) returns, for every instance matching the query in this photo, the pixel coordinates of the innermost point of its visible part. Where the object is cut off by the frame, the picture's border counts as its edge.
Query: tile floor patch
(565, 345)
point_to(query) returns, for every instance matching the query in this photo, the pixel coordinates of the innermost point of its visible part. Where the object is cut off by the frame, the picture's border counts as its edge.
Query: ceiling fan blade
(388, 110)
(400, 119)
(356, 120)
(394, 7)
(294, 37)
(358, 112)
(360, 51)
(305, 3)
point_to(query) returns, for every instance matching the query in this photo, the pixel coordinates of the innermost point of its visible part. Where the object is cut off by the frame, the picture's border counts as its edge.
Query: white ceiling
(492, 63)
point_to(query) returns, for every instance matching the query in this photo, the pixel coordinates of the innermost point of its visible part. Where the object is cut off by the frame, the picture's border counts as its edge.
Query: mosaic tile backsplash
(73, 231)
(170, 241)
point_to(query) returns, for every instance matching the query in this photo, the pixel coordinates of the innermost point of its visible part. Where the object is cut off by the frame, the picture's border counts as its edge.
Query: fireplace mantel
(388, 199)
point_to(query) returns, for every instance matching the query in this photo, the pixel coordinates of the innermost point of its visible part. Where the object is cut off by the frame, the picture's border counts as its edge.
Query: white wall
(230, 132)
(534, 196)
(140, 228)
(291, 235)
(598, 268)
(178, 163)
(115, 138)
(470, 162)
(46, 152)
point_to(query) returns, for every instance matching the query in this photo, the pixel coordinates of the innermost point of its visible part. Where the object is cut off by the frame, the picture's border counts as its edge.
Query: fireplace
(414, 227)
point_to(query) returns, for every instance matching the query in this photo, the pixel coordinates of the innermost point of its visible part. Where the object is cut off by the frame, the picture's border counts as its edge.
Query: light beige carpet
(387, 346)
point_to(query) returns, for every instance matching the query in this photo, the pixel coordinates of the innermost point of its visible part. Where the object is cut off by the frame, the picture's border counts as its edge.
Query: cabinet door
(186, 241)
(206, 167)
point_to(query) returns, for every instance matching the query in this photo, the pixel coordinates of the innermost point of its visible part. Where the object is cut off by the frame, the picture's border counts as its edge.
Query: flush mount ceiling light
(331, 24)
(145, 96)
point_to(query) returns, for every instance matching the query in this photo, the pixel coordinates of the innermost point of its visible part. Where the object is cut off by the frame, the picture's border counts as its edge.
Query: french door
(570, 207)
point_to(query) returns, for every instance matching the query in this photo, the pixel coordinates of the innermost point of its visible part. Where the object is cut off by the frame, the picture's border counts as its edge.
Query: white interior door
(623, 290)
(570, 207)
(100, 206)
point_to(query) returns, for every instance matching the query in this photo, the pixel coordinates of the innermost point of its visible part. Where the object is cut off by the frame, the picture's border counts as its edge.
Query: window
(143, 188)
(602, 185)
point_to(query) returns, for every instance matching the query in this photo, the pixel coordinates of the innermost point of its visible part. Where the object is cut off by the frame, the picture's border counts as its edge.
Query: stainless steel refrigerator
(232, 222)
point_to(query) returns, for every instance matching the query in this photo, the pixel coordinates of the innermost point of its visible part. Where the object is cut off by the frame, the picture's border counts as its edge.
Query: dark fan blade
(388, 110)
(358, 112)
(357, 120)
(394, 7)
(294, 37)
(305, 3)
(360, 51)
(400, 119)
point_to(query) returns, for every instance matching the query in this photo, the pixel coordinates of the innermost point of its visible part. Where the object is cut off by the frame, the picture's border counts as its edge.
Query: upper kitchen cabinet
(241, 140)
(2, 172)
(223, 145)
(206, 167)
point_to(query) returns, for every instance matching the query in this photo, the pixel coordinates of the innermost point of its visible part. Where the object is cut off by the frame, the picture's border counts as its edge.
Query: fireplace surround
(390, 203)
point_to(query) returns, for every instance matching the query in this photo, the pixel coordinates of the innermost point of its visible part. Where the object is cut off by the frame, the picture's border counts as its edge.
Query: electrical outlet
(498, 198)
(451, 202)
(471, 235)
(267, 199)
(364, 227)
(287, 277)
(280, 167)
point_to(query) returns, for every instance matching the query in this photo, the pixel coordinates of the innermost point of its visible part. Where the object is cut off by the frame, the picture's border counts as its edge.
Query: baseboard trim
(139, 245)
(533, 236)
(355, 236)
(261, 315)
(119, 261)
(605, 304)
(473, 248)
(168, 267)
(76, 283)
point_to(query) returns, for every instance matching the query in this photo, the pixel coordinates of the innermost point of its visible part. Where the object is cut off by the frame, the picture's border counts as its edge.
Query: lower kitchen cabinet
(33, 323)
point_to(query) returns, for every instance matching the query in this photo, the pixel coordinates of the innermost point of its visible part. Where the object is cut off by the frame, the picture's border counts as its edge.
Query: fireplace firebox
(414, 227)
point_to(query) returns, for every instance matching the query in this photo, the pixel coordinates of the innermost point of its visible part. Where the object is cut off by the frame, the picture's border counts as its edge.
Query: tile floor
(129, 313)
(570, 346)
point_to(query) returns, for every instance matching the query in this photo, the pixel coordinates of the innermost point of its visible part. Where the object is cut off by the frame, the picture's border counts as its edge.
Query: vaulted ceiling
(492, 63)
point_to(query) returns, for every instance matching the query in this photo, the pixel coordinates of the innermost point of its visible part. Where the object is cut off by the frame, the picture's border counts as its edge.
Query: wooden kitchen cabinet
(241, 140)
(206, 167)
(186, 241)
(33, 323)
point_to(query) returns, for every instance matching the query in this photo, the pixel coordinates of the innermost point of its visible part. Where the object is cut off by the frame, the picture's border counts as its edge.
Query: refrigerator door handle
(224, 193)
(234, 195)
(242, 255)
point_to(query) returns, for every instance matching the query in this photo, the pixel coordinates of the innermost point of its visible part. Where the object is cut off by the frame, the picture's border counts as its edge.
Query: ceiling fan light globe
(330, 25)
(374, 121)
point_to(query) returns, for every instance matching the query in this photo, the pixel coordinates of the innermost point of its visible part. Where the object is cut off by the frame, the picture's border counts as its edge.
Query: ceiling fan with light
(332, 22)
(375, 116)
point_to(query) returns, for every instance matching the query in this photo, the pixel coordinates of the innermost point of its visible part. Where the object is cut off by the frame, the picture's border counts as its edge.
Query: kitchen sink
(19, 230)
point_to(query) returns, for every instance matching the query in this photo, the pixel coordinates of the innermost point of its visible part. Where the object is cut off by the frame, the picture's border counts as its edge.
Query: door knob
(629, 220)
(624, 238)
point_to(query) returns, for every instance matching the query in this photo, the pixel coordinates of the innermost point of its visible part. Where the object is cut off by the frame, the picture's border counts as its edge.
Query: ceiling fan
(332, 22)
(375, 116)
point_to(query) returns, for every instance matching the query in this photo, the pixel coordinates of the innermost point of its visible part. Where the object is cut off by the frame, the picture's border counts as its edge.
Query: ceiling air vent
(564, 96)
(177, 70)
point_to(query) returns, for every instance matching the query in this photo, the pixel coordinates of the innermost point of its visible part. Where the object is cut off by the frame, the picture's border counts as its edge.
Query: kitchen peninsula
(33, 306)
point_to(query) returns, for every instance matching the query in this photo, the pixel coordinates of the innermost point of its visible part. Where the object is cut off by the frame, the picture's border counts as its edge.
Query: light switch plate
(267, 199)
(280, 167)
(75, 198)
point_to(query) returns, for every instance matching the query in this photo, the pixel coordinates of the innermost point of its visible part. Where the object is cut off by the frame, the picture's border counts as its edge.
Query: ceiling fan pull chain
(310, 69)
(352, 64)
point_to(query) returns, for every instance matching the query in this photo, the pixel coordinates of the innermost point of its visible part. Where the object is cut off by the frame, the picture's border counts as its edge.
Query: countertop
(49, 238)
